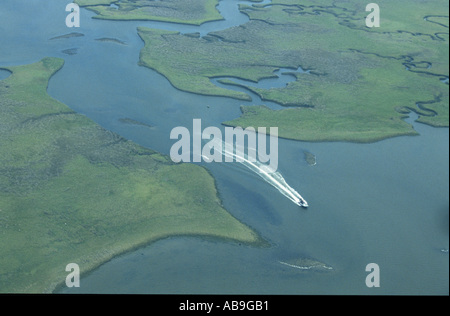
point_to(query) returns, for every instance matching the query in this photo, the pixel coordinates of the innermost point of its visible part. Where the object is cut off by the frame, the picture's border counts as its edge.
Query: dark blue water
(385, 202)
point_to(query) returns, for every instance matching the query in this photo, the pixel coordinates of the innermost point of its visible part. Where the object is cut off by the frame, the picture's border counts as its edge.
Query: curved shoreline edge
(6, 70)
(87, 234)
(338, 110)
(57, 287)
(324, 139)
(96, 7)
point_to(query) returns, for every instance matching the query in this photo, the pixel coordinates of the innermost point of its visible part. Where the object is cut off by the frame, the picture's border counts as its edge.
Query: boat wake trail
(272, 177)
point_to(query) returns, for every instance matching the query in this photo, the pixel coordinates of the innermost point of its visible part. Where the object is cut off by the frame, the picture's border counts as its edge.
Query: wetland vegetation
(193, 12)
(358, 88)
(71, 191)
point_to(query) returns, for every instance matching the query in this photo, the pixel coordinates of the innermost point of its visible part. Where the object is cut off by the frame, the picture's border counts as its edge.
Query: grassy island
(361, 83)
(71, 191)
(193, 12)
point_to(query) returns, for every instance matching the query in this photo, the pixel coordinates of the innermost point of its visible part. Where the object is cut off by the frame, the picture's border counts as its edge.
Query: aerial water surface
(385, 202)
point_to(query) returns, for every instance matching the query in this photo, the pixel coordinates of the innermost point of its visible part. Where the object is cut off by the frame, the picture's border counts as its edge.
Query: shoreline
(99, 16)
(196, 93)
(7, 71)
(61, 284)
(369, 141)
(56, 287)
(332, 96)
(322, 140)
(90, 240)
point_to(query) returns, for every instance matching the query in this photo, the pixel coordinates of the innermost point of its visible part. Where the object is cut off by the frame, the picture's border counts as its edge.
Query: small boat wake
(274, 178)
(307, 264)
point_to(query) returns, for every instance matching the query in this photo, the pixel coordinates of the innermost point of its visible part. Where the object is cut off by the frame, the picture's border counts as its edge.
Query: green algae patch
(361, 83)
(193, 12)
(73, 192)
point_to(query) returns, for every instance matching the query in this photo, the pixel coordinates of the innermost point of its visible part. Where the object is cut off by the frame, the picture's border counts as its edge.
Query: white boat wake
(274, 178)
(309, 264)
